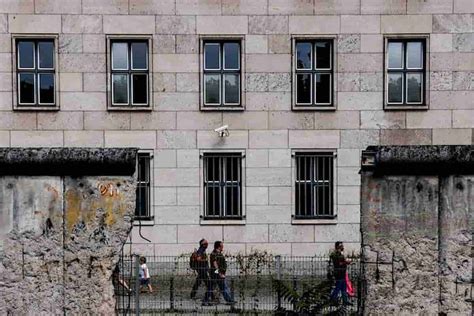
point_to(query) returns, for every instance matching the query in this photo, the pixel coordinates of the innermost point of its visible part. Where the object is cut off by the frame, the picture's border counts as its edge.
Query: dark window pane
(142, 206)
(232, 200)
(303, 167)
(303, 89)
(232, 168)
(414, 88)
(323, 200)
(46, 85)
(27, 88)
(303, 55)
(323, 88)
(212, 89)
(303, 199)
(395, 89)
(140, 55)
(414, 55)
(46, 54)
(26, 52)
(211, 56)
(323, 55)
(212, 168)
(231, 56)
(232, 88)
(120, 88)
(213, 200)
(144, 168)
(140, 89)
(395, 55)
(119, 56)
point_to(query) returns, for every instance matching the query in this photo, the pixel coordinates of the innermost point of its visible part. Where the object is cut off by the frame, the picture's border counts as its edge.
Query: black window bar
(143, 199)
(222, 186)
(314, 185)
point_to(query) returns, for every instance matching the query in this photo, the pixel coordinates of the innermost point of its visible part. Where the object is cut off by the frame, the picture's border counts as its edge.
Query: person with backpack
(199, 263)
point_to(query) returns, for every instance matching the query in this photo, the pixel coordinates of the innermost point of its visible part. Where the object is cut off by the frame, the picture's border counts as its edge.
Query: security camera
(222, 131)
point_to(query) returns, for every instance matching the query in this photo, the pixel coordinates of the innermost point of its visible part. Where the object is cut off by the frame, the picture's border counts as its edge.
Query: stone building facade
(267, 131)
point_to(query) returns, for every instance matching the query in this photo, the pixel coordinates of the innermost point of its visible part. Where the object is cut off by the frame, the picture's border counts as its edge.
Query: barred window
(143, 199)
(314, 186)
(405, 72)
(222, 185)
(313, 73)
(36, 69)
(129, 73)
(221, 74)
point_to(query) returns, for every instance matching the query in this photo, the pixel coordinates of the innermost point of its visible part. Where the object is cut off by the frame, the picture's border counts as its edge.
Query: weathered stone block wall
(417, 228)
(60, 236)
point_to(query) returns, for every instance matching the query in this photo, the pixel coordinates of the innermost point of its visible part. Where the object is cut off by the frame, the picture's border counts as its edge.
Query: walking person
(219, 268)
(144, 275)
(199, 262)
(340, 264)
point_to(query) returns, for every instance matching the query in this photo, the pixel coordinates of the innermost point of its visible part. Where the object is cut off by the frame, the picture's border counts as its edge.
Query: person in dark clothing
(340, 264)
(202, 269)
(218, 271)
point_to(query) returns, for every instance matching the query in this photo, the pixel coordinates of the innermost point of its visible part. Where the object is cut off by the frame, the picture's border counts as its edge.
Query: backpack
(193, 260)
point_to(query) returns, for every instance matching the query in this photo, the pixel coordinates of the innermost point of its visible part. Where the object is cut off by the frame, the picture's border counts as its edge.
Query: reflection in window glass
(231, 55)
(212, 89)
(395, 88)
(323, 55)
(232, 83)
(26, 54)
(140, 89)
(139, 55)
(27, 88)
(46, 85)
(120, 88)
(303, 55)
(414, 86)
(46, 54)
(414, 55)
(211, 56)
(395, 55)
(303, 88)
(119, 56)
(323, 88)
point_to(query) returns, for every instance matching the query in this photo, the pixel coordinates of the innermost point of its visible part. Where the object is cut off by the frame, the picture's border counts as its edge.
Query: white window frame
(203, 221)
(150, 220)
(312, 221)
(36, 106)
(130, 106)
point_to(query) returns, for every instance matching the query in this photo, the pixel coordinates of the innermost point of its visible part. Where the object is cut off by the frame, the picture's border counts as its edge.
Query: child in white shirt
(145, 275)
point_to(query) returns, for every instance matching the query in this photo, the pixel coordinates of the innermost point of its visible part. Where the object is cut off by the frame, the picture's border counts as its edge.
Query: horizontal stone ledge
(419, 160)
(67, 161)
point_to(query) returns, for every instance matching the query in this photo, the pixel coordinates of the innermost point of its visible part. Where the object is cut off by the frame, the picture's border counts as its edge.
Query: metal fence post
(172, 285)
(137, 285)
(278, 271)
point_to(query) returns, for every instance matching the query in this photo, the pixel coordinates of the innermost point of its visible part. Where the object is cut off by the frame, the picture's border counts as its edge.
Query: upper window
(222, 74)
(313, 75)
(222, 185)
(143, 199)
(405, 72)
(314, 185)
(36, 72)
(130, 73)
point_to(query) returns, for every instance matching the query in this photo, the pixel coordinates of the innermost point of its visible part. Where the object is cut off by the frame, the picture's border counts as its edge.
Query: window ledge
(222, 108)
(144, 221)
(35, 108)
(406, 107)
(313, 108)
(210, 222)
(314, 221)
(130, 108)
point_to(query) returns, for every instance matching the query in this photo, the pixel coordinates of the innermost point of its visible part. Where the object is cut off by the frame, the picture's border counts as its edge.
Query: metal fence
(258, 284)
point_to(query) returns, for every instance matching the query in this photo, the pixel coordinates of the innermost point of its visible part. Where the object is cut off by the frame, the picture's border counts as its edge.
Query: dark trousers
(342, 288)
(202, 277)
(222, 284)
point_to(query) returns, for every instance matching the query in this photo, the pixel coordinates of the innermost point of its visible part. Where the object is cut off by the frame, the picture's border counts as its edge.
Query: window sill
(35, 108)
(144, 221)
(130, 108)
(223, 108)
(313, 108)
(314, 221)
(229, 222)
(396, 107)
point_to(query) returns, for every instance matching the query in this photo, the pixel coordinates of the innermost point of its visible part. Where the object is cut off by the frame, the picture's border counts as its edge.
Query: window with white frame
(144, 187)
(129, 73)
(222, 185)
(221, 74)
(405, 72)
(36, 72)
(313, 74)
(314, 185)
